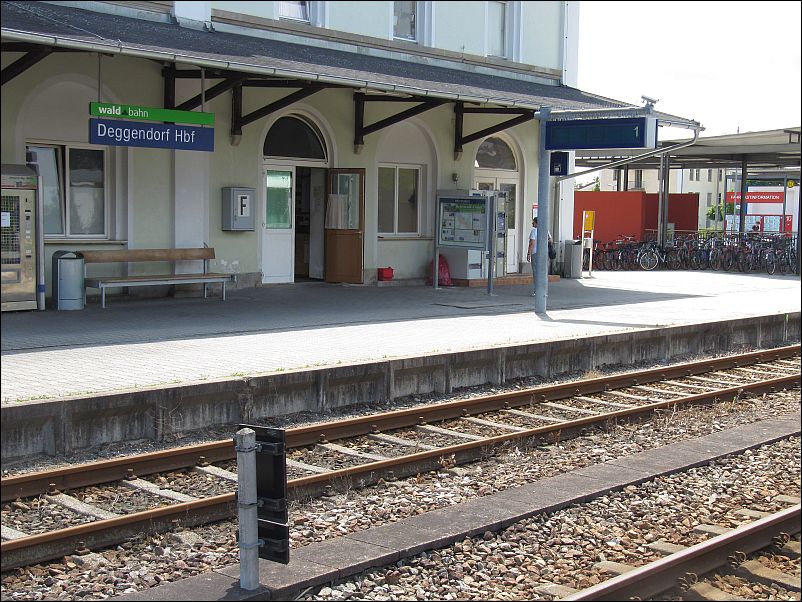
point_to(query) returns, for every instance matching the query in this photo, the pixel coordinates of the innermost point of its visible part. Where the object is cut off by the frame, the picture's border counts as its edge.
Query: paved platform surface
(344, 556)
(148, 342)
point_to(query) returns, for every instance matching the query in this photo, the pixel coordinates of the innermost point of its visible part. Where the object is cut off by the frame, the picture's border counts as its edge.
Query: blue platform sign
(575, 134)
(114, 132)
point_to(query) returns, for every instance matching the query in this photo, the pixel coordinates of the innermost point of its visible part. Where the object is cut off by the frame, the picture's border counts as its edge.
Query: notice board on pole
(463, 222)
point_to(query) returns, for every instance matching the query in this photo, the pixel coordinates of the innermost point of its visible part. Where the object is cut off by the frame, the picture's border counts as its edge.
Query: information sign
(150, 135)
(463, 222)
(629, 132)
(588, 219)
(105, 109)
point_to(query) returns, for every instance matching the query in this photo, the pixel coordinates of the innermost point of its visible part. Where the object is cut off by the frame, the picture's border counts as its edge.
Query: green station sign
(109, 110)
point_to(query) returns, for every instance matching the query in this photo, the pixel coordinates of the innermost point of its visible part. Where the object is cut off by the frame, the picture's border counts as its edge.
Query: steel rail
(662, 575)
(38, 548)
(104, 471)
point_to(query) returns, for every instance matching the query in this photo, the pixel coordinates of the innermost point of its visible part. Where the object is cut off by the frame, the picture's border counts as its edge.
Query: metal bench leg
(204, 290)
(103, 297)
(224, 290)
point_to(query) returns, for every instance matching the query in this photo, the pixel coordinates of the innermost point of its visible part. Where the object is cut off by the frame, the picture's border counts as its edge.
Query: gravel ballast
(149, 561)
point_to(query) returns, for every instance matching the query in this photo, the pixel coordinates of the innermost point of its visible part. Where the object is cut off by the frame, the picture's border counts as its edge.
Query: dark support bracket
(22, 64)
(523, 115)
(236, 111)
(238, 122)
(361, 130)
(168, 73)
(212, 92)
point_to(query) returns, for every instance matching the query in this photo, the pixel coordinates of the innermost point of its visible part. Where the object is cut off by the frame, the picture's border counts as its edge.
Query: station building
(335, 126)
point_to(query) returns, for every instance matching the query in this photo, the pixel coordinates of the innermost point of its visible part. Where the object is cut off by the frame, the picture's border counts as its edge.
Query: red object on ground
(443, 273)
(384, 274)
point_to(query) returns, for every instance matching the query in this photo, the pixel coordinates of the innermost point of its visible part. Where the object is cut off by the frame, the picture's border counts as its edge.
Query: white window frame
(282, 17)
(63, 151)
(396, 167)
(506, 29)
(513, 38)
(424, 12)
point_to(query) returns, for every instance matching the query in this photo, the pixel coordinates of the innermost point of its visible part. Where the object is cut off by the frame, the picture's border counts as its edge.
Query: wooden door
(345, 226)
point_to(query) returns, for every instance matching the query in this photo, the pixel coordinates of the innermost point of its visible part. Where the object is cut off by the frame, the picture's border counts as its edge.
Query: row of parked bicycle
(772, 253)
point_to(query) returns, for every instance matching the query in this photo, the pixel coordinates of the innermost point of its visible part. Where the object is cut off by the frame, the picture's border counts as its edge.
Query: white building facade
(342, 119)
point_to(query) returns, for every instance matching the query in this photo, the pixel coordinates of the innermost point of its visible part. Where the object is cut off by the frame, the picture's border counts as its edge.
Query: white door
(278, 227)
(510, 186)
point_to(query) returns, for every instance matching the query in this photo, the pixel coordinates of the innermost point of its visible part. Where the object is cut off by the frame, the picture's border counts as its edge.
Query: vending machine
(22, 283)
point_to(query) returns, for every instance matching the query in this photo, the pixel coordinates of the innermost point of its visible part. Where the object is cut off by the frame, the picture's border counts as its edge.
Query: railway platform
(151, 367)
(151, 342)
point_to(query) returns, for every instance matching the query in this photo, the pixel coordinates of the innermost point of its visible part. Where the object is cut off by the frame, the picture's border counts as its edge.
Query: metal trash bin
(572, 259)
(69, 291)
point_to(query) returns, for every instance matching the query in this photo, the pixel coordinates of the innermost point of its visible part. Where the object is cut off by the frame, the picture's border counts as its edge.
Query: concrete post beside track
(245, 441)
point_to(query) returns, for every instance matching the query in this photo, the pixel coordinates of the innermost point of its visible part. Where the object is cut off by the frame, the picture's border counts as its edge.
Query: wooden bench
(139, 255)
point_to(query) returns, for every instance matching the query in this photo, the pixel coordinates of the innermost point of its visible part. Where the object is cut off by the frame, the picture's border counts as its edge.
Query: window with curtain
(73, 190)
(496, 29)
(298, 11)
(405, 20)
(399, 199)
(494, 153)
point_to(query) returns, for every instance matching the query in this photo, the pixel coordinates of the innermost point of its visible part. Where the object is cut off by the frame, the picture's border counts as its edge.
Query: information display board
(462, 222)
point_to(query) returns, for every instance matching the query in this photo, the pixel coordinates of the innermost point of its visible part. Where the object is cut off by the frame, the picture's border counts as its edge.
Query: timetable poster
(463, 223)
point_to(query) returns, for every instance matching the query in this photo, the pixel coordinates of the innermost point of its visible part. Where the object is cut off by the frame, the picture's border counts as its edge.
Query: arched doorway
(294, 177)
(496, 168)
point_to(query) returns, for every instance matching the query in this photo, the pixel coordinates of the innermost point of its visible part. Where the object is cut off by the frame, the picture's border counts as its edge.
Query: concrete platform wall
(61, 426)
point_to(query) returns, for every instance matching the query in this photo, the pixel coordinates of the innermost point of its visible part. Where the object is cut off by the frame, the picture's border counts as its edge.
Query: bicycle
(650, 256)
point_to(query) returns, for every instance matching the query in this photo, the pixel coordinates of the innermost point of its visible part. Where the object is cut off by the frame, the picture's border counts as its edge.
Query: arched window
(293, 136)
(494, 153)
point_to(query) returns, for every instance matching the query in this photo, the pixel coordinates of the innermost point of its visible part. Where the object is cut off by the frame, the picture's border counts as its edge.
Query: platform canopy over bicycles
(770, 154)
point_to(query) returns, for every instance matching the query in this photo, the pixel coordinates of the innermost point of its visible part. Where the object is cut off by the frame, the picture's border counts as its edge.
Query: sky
(733, 66)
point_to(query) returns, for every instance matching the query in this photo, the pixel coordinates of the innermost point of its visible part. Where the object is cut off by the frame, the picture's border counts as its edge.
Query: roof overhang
(762, 151)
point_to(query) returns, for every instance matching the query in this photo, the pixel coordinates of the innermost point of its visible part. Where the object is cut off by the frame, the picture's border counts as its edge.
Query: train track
(369, 448)
(683, 568)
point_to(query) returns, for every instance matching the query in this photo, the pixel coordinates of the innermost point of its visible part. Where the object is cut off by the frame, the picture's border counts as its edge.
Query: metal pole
(660, 202)
(724, 205)
(666, 197)
(491, 233)
(798, 235)
(742, 212)
(543, 219)
(245, 444)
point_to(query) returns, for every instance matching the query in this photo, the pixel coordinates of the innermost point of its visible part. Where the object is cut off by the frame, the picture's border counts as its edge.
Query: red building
(633, 213)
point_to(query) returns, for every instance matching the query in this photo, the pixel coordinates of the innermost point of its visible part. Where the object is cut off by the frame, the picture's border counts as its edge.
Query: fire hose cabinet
(238, 209)
(69, 290)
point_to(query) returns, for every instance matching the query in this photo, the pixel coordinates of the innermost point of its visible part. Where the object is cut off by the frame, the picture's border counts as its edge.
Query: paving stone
(209, 586)
(284, 580)
(347, 555)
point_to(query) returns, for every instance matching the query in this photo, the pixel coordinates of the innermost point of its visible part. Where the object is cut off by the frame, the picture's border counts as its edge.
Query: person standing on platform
(531, 253)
